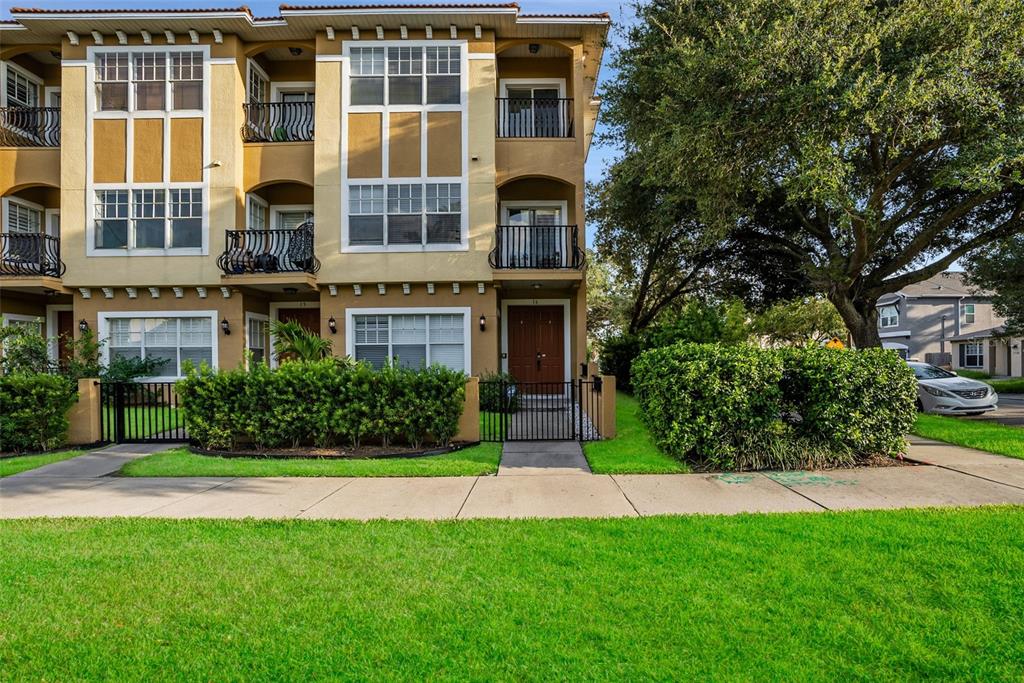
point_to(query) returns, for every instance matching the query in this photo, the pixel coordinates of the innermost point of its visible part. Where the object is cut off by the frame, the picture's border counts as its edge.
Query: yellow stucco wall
(186, 150)
(404, 144)
(22, 167)
(148, 161)
(108, 150)
(444, 143)
(365, 146)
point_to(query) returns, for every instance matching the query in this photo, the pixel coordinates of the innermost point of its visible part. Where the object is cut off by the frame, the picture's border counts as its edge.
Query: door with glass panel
(533, 112)
(534, 237)
(296, 246)
(22, 244)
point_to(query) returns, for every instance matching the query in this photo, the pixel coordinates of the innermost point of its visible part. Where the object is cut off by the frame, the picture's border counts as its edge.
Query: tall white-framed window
(423, 213)
(411, 337)
(972, 355)
(888, 317)
(149, 80)
(173, 336)
(257, 336)
(32, 323)
(21, 87)
(966, 314)
(257, 83)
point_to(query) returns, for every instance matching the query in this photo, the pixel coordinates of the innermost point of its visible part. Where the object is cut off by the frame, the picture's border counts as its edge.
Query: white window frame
(267, 352)
(28, 76)
(385, 109)
(48, 93)
(964, 313)
(8, 318)
(130, 117)
(280, 88)
(259, 201)
(103, 323)
(252, 66)
(882, 317)
(167, 250)
(980, 355)
(467, 336)
(566, 336)
(275, 211)
(25, 204)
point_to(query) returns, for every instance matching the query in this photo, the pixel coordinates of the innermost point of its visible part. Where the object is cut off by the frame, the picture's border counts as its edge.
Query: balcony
(278, 122)
(29, 126)
(270, 259)
(534, 117)
(537, 247)
(30, 255)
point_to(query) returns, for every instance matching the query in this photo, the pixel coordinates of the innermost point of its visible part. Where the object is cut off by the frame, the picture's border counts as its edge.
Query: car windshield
(930, 372)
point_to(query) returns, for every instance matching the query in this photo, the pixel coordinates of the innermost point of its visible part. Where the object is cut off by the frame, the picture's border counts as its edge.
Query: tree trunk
(861, 318)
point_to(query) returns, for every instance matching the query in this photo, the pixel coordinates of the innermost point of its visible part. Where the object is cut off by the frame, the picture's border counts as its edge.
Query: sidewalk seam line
(193, 495)
(305, 510)
(971, 474)
(619, 487)
(806, 497)
(464, 500)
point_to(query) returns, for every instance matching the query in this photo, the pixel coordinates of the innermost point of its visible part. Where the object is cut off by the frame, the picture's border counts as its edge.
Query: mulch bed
(309, 452)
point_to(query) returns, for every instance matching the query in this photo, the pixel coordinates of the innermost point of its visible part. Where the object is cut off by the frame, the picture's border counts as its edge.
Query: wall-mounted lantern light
(332, 324)
(83, 325)
(483, 323)
(225, 326)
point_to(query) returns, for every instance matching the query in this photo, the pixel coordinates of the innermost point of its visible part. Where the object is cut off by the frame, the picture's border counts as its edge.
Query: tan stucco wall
(186, 150)
(23, 304)
(108, 150)
(444, 143)
(148, 162)
(404, 144)
(277, 162)
(21, 167)
(365, 145)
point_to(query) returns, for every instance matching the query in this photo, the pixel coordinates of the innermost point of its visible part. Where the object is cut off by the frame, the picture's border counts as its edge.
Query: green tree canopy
(999, 268)
(870, 143)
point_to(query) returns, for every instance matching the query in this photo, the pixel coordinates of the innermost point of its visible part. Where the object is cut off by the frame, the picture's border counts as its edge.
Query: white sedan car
(943, 392)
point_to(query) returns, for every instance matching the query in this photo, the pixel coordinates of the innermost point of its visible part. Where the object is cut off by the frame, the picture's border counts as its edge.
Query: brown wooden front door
(536, 343)
(309, 318)
(65, 333)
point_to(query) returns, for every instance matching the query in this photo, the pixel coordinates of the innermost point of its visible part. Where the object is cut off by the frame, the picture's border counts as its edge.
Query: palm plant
(295, 342)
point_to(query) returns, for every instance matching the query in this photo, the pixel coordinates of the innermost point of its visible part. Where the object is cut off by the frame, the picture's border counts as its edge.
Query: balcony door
(533, 110)
(535, 234)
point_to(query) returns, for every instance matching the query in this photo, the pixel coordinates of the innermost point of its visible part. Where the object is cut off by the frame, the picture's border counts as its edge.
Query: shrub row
(321, 403)
(744, 407)
(34, 410)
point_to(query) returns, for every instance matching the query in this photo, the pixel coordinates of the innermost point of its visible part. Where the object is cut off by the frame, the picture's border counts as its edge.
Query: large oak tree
(885, 137)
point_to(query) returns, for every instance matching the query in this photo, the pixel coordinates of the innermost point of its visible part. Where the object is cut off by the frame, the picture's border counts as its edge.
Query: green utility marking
(733, 478)
(801, 478)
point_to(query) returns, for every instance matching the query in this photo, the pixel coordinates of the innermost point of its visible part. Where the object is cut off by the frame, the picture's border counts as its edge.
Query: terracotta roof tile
(506, 5)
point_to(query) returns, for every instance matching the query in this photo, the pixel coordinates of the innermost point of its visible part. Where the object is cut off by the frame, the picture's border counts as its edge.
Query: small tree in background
(799, 321)
(1000, 269)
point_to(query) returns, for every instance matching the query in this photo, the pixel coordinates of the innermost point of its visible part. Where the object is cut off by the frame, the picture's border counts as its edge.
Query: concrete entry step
(542, 458)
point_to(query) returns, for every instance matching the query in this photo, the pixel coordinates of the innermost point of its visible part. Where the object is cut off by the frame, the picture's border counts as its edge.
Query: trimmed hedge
(34, 411)
(321, 403)
(743, 407)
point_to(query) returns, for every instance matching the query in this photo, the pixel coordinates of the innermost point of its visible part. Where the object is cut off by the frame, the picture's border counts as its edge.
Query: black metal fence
(33, 254)
(269, 251)
(278, 122)
(537, 246)
(540, 411)
(140, 412)
(534, 117)
(29, 126)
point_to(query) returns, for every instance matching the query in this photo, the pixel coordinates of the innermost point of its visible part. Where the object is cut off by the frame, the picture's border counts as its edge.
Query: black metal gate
(140, 412)
(540, 411)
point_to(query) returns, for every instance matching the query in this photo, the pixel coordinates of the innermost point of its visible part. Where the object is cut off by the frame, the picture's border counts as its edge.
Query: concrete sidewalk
(530, 484)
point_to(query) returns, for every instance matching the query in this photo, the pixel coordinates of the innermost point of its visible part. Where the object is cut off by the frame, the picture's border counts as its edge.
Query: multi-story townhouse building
(406, 181)
(944, 321)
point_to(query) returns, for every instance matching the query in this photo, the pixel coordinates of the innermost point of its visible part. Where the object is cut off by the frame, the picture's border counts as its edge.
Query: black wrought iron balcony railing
(30, 254)
(534, 117)
(537, 246)
(278, 122)
(29, 126)
(269, 251)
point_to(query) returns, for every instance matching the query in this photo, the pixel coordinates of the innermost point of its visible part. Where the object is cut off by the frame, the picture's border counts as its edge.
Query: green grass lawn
(973, 374)
(472, 461)
(1007, 386)
(631, 451)
(494, 426)
(23, 463)
(908, 595)
(984, 436)
(141, 421)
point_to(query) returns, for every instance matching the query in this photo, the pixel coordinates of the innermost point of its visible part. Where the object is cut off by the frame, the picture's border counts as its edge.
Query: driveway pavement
(1010, 411)
(535, 480)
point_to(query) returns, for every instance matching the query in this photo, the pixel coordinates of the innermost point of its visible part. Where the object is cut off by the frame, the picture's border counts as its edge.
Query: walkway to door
(540, 411)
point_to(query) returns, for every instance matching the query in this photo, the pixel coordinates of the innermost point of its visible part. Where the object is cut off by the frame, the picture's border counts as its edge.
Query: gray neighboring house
(941, 321)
